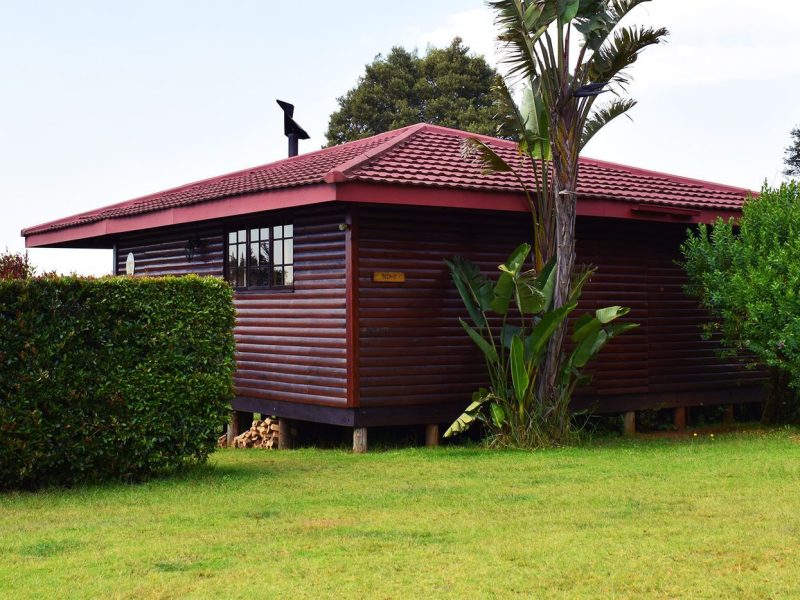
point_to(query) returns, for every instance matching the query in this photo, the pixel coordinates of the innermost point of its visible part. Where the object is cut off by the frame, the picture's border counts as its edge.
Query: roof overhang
(102, 233)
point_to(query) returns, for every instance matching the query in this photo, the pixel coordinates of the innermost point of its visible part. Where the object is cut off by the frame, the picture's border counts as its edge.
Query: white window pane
(288, 252)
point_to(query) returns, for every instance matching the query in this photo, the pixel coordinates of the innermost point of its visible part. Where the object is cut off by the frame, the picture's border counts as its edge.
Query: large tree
(447, 86)
(565, 53)
(792, 157)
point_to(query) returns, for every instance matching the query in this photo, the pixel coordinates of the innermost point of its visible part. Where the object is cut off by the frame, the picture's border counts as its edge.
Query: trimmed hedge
(112, 378)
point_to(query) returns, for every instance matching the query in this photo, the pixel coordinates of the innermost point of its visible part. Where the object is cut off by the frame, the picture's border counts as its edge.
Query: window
(261, 257)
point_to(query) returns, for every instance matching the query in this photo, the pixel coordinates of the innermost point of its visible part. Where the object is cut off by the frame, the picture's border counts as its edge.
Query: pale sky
(105, 101)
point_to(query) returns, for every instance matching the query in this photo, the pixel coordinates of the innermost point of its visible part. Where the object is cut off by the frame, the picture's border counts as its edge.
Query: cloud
(710, 42)
(475, 27)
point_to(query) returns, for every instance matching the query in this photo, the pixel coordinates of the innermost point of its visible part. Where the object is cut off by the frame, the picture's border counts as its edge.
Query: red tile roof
(420, 155)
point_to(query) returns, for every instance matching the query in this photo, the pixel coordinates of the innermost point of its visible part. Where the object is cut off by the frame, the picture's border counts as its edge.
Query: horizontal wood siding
(678, 358)
(290, 344)
(412, 347)
(163, 251)
(413, 350)
(622, 366)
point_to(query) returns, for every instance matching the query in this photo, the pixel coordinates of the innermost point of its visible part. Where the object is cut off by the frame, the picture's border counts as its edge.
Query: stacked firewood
(262, 434)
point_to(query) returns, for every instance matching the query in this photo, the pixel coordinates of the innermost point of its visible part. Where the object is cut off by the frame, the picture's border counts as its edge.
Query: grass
(698, 517)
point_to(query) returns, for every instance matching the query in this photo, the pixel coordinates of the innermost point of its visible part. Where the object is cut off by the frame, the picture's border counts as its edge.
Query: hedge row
(112, 378)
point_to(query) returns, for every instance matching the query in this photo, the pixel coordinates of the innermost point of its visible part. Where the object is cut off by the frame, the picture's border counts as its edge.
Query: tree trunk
(564, 195)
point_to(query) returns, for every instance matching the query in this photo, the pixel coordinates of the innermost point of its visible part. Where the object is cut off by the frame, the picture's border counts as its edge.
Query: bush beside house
(747, 275)
(113, 378)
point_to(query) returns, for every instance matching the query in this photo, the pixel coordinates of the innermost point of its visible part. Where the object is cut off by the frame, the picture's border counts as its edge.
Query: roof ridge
(468, 134)
(342, 171)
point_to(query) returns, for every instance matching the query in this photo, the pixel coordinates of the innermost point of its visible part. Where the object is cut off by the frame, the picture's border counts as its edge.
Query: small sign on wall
(130, 264)
(388, 277)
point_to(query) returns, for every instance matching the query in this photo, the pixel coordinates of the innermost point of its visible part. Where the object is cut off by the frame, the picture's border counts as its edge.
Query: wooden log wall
(290, 345)
(163, 251)
(413, 350)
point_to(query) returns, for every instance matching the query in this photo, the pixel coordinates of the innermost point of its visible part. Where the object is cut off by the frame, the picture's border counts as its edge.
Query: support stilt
(680, 418)
(285, 434)
(359, 440)
(432, 436)
(728, 417)
(233, 428)
(630, 423)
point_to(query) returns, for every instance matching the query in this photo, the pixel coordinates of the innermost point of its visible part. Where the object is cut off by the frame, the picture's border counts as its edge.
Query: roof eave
(102, 233)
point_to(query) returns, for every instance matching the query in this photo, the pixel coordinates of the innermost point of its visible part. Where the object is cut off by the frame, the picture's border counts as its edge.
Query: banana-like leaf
(568, 10)
(588, 348)
(590, 335)
(592, 338)
(541, 13)
(586, 326)
(517, 259)
(505, 286)
(536, 141)
(498, 414)
(503, 290)
(514, 123)
(519, 370)
(546, 282)
(475, 289)
(536, 342)
(616, 329)
(487, 349)
(608, 314)
(507, 333)
(470, 415)
(530, 300)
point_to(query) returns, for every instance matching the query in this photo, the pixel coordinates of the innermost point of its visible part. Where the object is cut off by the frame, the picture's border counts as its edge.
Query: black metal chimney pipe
(291, 129)
(294, 144)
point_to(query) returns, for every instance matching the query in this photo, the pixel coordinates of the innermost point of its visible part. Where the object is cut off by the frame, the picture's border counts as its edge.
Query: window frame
(259, 224)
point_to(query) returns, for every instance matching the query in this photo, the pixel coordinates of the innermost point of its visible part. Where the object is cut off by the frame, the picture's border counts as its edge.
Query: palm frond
(516, 36)
(603, 115)
(510, 122)
(610, 61)
(596, 19)
(477, 151)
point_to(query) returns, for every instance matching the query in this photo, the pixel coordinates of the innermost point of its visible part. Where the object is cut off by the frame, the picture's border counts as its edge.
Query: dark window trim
(266, 221)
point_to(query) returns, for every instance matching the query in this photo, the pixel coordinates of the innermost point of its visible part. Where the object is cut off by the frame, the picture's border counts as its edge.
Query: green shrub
(748, 277)
(112, 378)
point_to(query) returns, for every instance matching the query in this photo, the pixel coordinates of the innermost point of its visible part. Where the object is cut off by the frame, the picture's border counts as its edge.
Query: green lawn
(697, 517)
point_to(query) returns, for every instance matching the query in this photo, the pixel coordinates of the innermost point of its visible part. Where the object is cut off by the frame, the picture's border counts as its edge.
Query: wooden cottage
(346, 313)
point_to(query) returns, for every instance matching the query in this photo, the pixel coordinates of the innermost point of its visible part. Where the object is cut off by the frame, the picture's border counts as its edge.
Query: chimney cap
(290, 126)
